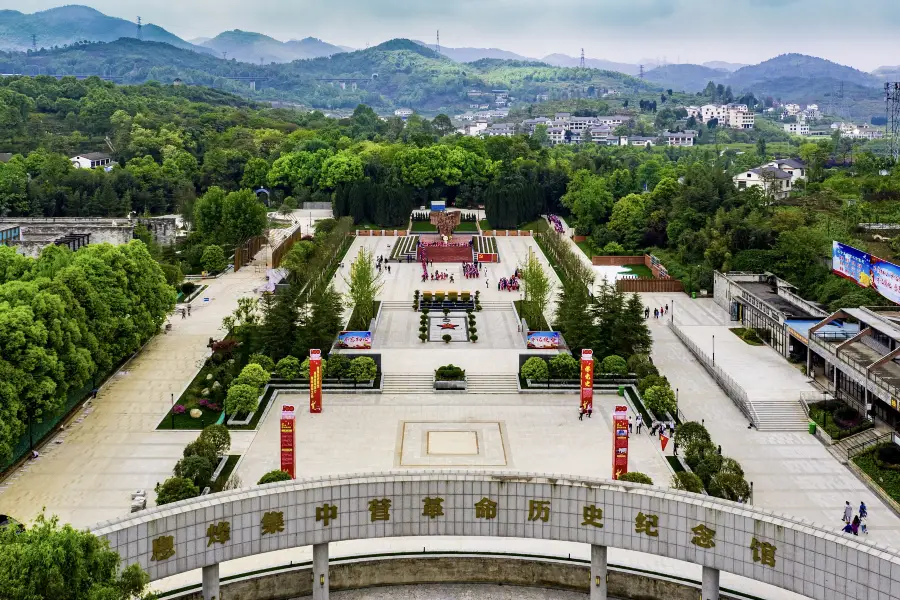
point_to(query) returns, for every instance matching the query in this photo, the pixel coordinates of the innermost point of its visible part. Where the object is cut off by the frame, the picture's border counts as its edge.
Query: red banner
(620, 442)
(288, 458)
(315, 381)
(587, 380)
(488, 257)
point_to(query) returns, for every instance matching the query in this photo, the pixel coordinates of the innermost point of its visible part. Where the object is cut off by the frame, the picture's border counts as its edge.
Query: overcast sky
(861, 33)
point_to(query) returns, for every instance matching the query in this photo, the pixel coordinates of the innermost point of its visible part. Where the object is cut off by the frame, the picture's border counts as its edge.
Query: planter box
(450, 386)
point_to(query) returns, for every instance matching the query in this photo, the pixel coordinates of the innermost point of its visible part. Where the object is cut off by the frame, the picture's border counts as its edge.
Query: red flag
(663, 440)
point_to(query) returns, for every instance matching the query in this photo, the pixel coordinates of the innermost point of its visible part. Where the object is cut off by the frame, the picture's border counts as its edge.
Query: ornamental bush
(273, 476)
(362, 368)
(449, 373)
(660, 400)
(635, 477)
(202, 447)
(304, 368)
(254, 376)
(687, 481)
(174, 489)
(337, 367)
(288, 368)
(564, 366)
(241, 399)
(691, 433)
(196, 468)
(213, 259)
(536, 369)
(645, 383)
(262, 360)
(614, 364)
(218, 437)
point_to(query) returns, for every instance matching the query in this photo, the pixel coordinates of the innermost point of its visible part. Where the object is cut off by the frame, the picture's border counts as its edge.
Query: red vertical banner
(288, 457)
(315, 381)
(587, 380)
(620, 442)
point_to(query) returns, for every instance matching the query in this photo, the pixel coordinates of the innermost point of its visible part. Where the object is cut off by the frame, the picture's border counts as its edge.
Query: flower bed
(838, 419)
(885, 475)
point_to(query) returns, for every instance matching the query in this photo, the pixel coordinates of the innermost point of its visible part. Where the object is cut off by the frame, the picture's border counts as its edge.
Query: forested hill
(396, 73)
(800, 66)
(66, 25)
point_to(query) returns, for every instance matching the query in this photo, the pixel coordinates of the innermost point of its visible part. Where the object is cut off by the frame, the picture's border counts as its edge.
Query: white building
(601, 134)
(403, 113)
(775, 182)
(798, 128)
(91, 160)
(613, 120)
(792, 109)
(692, 111)
(680, 138)
(473, 129)
(637, 140)
(579, 124)
(740, 117)
(501, 130)
(528, 125)
(793, 167)
(556, 135)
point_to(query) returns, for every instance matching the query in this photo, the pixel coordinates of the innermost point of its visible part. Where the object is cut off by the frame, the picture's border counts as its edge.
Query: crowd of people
(853, 524)
(381, 263)
(658, 313)
(436, 275)
(471, 270)
(509, 284)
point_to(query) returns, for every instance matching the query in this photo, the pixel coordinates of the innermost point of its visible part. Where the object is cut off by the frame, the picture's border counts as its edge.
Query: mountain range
(250, 47)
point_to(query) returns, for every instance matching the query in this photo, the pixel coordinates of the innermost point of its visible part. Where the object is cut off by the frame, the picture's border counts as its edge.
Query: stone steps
(854, 440)
(407, 383)
(492, 383)
(775, 415)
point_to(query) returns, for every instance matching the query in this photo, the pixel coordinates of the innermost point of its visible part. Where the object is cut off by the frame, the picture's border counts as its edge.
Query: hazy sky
(862, 33)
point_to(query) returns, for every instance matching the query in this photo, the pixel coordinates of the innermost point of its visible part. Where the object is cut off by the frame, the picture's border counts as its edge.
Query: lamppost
(714, 348)
(172, 412)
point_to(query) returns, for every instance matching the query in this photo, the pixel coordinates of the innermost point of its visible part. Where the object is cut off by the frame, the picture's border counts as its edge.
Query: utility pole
(34, 42)
(140, 32)
(582, 58)
(438, 40)
(641, 74)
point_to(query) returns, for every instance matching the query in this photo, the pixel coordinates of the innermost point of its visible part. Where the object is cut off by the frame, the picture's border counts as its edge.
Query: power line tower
(582, 58)
(641, 74)
(140, 29)
(437, 45)
(34, 42)
(892, 127)
(842, 104)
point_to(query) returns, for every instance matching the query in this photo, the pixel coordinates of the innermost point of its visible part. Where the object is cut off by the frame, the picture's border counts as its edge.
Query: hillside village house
(472, 129)
(91, 160)
(680, 138)
(798, 128)
(556, 135)
(637, 140)
(403, 113)
(501, 130)
(777, 178)
(735, 116)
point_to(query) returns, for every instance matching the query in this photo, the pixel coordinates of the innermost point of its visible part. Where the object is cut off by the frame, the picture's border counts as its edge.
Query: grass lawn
(531, 225)
(587, 246)
(222, 479)
(186, 421)
(639, 270)
(485, 226)
(541, 326)
(355, 325)
(370, 226)
(748, 335)
(467, 227)
(423, 227)
(886, 479)
(675, 463)
(273, 224)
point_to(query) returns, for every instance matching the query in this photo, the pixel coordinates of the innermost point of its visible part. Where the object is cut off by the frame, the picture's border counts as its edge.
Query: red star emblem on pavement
(449, 326)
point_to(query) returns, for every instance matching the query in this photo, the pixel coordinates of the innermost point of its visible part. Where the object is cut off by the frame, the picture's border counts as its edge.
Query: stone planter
(450, 386)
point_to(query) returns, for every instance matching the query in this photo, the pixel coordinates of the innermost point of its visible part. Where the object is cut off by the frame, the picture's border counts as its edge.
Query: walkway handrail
(863, 446)
(728, 385)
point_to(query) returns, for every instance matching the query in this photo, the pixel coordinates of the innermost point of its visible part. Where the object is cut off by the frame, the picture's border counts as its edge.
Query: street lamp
(172, 412)
(714, 348)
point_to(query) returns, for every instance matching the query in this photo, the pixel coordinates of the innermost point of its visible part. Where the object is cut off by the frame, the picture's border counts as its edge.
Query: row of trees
(68, 319)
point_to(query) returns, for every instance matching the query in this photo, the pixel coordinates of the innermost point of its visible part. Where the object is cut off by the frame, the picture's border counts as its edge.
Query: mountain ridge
(252, 47)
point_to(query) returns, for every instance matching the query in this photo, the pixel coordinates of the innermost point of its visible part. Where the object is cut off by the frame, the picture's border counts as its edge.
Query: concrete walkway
(87, 473)
(792, 472)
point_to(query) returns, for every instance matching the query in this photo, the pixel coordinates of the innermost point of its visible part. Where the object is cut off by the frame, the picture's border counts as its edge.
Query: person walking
(182, 313)
(487, 284)
(848, 512)
(667, 307)
(581, 414)
(189, 310)
(630, 425)
(855, 525)
(639, 421)
(590, 411)
(674, 448)
(863, 511)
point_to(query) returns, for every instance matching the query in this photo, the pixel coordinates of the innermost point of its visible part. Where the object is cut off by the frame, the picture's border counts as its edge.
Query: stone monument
(446, 222)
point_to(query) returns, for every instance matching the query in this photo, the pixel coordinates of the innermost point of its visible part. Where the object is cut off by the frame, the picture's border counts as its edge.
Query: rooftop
(767, 294)
(777, 173)
(94, 156)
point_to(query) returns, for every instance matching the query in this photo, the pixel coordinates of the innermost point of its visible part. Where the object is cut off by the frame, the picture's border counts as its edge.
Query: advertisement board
(288, 457)
(542, 340)
(356, 340)
(315, 381)
(587, 380)
(620, 441)
(866, 270)
(488, 257)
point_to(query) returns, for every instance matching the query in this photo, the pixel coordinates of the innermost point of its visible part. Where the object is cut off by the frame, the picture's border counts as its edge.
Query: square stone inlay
(452, 442)
(455, 327)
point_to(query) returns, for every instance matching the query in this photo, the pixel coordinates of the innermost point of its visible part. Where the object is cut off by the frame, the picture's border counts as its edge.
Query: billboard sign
(620, 441)
(542, 340)
(288, 457)
(355, 340)
(866, 270)
(587, 380)
(315, 381)
(487, 257)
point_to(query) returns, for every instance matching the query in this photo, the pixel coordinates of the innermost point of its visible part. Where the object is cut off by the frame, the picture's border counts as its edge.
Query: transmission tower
(641, 74)
(582, 58)
(140, 32)
(843, 105)
(437, 46)
(34, 42)
(892, 103)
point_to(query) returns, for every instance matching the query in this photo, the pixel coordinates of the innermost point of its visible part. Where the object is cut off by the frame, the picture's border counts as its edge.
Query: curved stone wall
(730, 537)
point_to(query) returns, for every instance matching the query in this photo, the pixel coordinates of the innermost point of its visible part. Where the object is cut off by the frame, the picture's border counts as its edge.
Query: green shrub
(362, 368)
(660, 399)
(254, 376)
(694, 453)
(536, 369)
(645, 370)
(423, 337)
(174, 489)
(273, 476)
(262, 360)
(213, 259)
(687, 481)
(645, 383)
(241, 399)
(635, 477)
(338, 366)
(690, 434)
(188, 287)
(449, 373)
(288, 368)
(304, 367)
(202, 447)
(564, 366)
(196, 468)
(614, 364)
(473, 337)
(636, 360)
(887, 456)
(446, 337)
(218, 437)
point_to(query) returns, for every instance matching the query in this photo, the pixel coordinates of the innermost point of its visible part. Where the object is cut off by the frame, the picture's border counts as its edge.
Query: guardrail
(728, 385)
(863, 446)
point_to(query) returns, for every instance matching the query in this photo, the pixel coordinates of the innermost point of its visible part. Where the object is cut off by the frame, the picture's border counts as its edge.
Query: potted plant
(446, 337)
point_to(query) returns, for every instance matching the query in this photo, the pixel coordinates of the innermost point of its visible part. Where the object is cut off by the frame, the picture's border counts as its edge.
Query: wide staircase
(780, 415)
(407, 383)
(397, 305)
(495, 305)
(492, 383)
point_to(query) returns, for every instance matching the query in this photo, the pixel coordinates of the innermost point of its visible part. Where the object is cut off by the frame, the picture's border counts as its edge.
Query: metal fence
(862, 447)
(728, 385)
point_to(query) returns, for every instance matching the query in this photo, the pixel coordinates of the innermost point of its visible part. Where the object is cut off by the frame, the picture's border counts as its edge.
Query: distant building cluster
(734, 116)
(858, 132)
